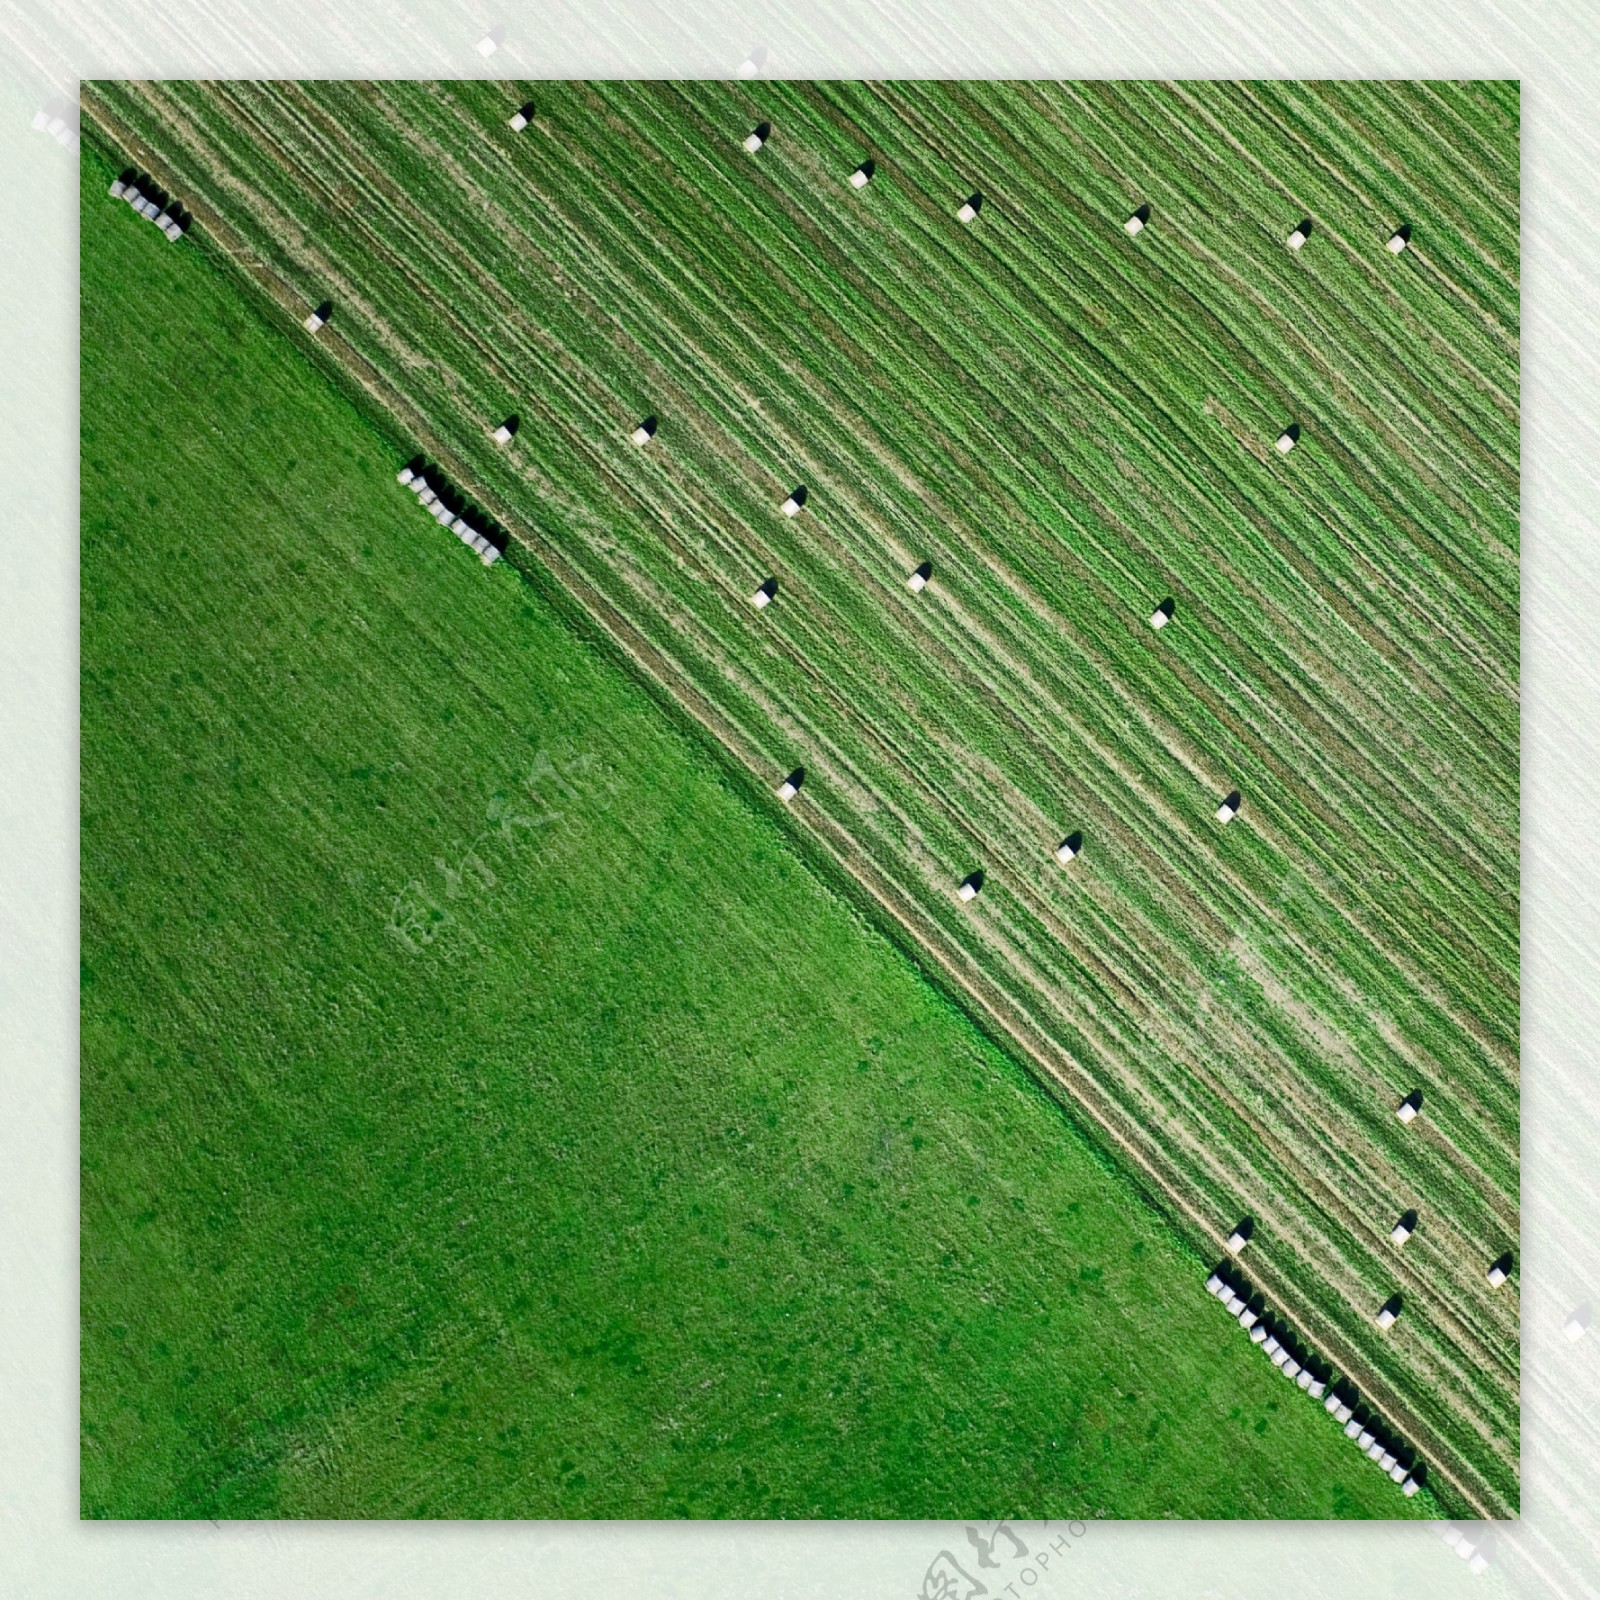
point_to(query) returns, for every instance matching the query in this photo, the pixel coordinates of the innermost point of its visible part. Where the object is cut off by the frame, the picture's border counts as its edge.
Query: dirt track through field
(1071, 425)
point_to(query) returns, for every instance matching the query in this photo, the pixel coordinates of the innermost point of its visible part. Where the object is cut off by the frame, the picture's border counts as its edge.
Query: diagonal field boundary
(1071, 424)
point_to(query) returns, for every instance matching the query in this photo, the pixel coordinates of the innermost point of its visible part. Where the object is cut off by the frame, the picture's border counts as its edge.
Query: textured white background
(1553, 46)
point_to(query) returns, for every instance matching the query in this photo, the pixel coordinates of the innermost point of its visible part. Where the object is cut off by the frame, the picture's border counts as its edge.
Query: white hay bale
(459, 527)
(518, 122)
(967, 213)
(1399, 1233)
(1291, 1368)
(1387, 1461)
(1279, 1356)
(752, 63)
(55, 127)
(131, 194)
(762, 598)
(641, 435)
(1258, 1334)
(1386, 1319)
(1272, 1346)
(41, 119)
(405, 474)
(860, 178)
(1343, 1414)
(442, 514)
(1296, 239)
(1398, 1473)
(1159, 619)
(1331, 1404)
(791, 507)
(786, 790)
(427, 497)
(1248, 1319)
(1375, 1451)
(1286, 443)
(174, 231)
(1303, 1378)
(753, 141)
(491, 555)
(1316, 1388)
(1405, 1111)
(1397, 242)
(967, 891)
(118, 186)
(1134, 225)
(1497, 1275)
(150, 210)
(490, 42)
(1409, 1487)
(1226, 813)
(1364, 1438)
(1236, 1304)
(1213, 1284)
(313, 322)
(1351, 1429)
(1577, 1323)
(916, 583)
(502, 434)
(1236, 1242)
(1065, 852)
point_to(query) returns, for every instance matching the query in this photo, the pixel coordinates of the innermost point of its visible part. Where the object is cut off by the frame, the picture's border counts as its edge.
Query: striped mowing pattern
(1071, 424)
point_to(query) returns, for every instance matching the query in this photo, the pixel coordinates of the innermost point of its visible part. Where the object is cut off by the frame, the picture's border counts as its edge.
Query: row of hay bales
(1396, 242)
(1340, 1398)
(968, 210)
(450, 509)
(153, 204)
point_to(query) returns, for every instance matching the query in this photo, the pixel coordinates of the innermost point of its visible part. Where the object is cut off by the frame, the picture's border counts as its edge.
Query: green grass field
(1071, 424)
(485, 1112)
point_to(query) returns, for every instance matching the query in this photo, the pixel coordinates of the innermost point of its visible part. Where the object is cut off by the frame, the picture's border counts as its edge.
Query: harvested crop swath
(1070, 423)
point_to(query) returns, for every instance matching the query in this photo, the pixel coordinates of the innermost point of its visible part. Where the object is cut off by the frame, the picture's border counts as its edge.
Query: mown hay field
(1071, 424)
(485, 1111)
